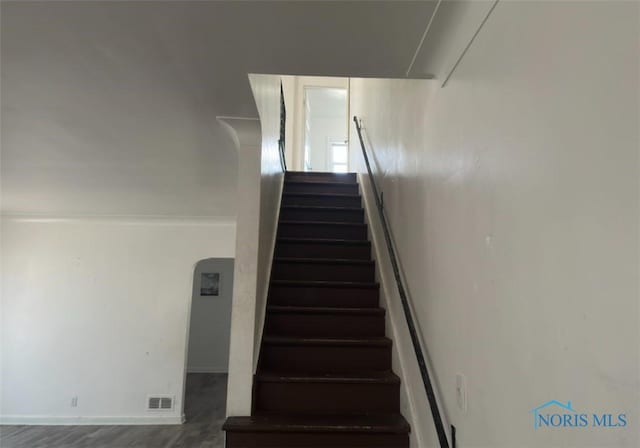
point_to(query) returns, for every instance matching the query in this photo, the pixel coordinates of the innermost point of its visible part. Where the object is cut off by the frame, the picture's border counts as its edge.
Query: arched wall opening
(207, 360)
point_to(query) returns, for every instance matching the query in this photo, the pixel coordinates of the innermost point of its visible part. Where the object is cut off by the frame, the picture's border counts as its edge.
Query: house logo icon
(550, 409)
(556, 414)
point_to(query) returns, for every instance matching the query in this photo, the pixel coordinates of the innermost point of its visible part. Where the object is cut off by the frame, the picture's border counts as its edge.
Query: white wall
(98, 309)
(513, 197)
(210, 322)
(414, 405)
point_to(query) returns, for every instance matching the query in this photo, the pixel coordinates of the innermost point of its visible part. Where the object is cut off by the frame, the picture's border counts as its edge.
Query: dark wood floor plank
(205, 404)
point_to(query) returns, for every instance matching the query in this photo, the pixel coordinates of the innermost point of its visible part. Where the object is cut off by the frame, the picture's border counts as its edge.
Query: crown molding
(167, 220)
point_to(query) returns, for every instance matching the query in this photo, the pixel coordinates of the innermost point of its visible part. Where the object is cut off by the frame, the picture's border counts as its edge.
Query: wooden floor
(204, 408)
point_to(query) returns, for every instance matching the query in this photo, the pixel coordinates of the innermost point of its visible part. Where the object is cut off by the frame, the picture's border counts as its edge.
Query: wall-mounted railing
(420, 356)
(283, 129)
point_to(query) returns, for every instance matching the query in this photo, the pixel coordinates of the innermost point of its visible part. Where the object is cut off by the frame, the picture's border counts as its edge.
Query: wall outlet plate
(461, 392)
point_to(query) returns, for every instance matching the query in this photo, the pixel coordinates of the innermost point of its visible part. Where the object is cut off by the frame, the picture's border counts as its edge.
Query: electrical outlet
(74, 402)
(461, 392)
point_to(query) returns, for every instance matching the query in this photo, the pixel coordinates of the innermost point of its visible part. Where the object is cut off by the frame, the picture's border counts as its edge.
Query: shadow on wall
(210, 322)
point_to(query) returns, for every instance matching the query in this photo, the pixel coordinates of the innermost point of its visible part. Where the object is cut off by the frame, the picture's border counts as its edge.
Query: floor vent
(160, 403)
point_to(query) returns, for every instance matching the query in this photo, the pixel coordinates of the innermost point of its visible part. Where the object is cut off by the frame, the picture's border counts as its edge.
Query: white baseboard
(207, 370)
(50, 420)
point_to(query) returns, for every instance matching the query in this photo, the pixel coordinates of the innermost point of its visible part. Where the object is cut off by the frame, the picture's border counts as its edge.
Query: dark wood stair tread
(323, 208)
(320, 173)
(342, 261)
(325, 284)
(324, 223)
(358, 378)
(324, 310)
(324, 178)
(336, 342)
(326, 186)
(374, 423)
(319, 184)
(322, 195)
(316, 174)
(323, 241)
(313, 182)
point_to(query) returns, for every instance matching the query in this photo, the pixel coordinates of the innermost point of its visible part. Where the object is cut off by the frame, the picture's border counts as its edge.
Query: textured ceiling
(109, 108)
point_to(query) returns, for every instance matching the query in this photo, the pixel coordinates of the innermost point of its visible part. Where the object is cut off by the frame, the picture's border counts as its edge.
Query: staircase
(324, 375)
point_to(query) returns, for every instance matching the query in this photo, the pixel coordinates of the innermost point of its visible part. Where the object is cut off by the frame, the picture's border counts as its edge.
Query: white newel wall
(513, 196)
(260, 181)
(97, 308)
(266, 91)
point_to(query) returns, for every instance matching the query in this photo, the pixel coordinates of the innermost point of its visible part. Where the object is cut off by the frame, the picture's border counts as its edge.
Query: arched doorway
(208, 343)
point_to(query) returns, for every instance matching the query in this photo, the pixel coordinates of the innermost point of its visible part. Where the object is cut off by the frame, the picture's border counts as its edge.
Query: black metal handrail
(283, 127)
(424, 373)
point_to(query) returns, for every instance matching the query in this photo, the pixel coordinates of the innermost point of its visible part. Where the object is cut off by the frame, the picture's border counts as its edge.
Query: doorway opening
(317, 126)
(207, 362)
(326, 129)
